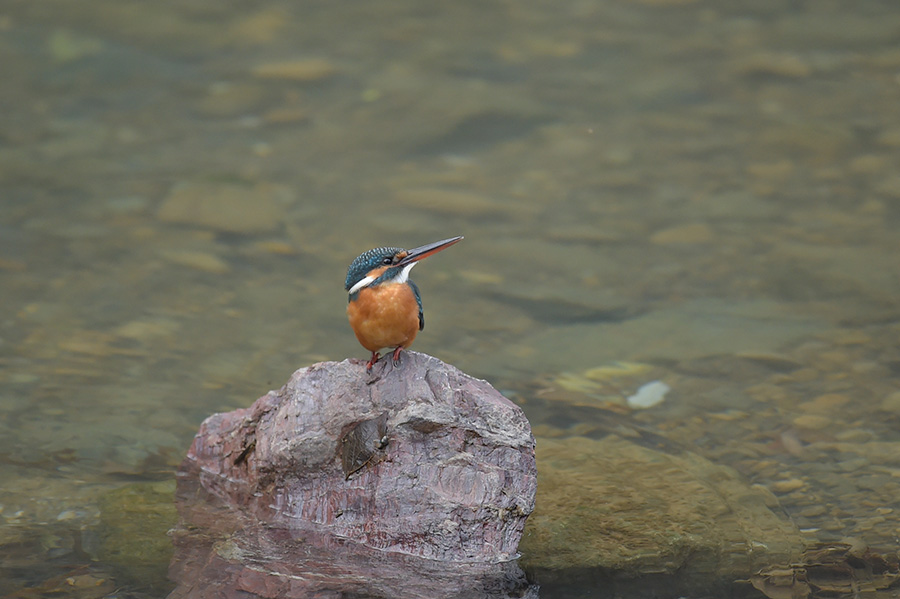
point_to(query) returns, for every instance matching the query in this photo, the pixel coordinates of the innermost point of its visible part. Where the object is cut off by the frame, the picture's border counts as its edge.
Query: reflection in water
(222, 553)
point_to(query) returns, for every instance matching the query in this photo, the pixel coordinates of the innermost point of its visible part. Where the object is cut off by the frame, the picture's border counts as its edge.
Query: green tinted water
(708, 189)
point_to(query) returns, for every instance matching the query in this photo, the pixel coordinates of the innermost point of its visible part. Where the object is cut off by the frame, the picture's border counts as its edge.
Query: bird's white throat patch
(404, 274)
(401, 277)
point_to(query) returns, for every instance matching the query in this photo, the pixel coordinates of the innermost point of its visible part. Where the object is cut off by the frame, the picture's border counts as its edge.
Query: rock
(683, 234)
(65, 46)
(223, 552)
(777, 64)
(304, 69)
(454, 202)
(418, 459)
(648, 395)
(777, 171)
(890, 186)
(890, 137)
(666, 2)
(285, 115)
(844, 569)
(788, 485)
(869, 164)
(481, 130)
(813, 422)
(204, 261)
(226, 207)
(134, 520)
(617, 506)
(825, 404)
(230, 100)
(261, 27)
(891, 403)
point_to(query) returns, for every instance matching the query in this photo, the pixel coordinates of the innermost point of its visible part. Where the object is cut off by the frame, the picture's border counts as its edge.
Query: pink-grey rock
(418, 459)
(222, 552)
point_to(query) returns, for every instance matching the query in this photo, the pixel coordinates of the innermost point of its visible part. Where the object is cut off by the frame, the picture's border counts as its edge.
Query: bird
(384, 306)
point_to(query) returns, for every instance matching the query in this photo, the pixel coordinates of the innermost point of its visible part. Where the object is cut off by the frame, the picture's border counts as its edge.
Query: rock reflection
(221, 552)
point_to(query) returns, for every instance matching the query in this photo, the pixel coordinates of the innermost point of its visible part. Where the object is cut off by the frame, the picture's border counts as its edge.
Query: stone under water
(615, 505)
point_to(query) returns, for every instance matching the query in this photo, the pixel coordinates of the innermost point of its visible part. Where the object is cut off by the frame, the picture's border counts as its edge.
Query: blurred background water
(709, 189)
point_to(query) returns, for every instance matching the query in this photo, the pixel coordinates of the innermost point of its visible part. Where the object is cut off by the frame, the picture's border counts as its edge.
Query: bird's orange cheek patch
(376, 272)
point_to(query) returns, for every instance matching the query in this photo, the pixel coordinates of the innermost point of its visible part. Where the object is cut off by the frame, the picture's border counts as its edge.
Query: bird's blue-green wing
(418, 301)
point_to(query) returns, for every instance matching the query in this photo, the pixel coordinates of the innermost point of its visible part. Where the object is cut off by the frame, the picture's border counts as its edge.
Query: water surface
(708, 189)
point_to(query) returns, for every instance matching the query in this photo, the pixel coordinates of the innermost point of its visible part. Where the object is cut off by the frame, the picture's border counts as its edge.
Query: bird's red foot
(372, 361)
(396, 356)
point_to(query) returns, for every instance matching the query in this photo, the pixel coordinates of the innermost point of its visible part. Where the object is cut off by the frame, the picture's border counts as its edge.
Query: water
(706, 189)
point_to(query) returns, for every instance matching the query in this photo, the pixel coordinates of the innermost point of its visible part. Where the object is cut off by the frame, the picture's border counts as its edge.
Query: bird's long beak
(424, 251)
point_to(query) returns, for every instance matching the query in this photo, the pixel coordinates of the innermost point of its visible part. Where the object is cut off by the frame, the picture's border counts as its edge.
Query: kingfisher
(385, 307)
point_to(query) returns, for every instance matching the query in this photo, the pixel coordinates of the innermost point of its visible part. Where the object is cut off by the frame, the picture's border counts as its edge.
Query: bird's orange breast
(386, 315)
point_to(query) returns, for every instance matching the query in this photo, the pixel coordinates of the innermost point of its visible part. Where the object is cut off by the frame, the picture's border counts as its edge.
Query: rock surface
(418, 459)
(222, 552)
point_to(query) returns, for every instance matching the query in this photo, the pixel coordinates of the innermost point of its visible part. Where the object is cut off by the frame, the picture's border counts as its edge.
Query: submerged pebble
(197, 260)
(788, 485)
(768, 63)
(648, 395)
(226, 206)
(303, 69)
(453, 202)
(683, 234)
(891, 403)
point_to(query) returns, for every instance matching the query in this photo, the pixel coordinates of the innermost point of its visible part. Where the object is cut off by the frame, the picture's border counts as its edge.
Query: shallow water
(708, 189)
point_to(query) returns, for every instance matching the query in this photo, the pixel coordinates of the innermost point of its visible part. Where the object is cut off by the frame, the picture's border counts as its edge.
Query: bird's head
(389, 264)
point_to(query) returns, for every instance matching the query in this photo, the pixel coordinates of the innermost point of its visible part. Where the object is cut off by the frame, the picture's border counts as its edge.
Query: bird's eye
(387, 261)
